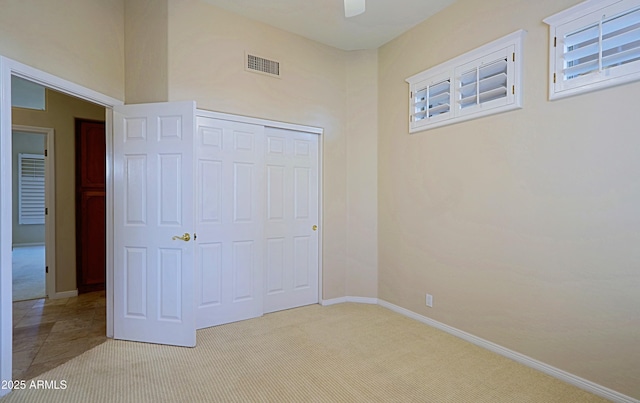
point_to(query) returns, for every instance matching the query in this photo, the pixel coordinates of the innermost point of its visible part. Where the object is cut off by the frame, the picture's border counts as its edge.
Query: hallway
(47, 333)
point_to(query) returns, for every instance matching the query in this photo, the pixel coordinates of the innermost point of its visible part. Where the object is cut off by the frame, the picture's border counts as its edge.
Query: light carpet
(28, 272)
(341, 353)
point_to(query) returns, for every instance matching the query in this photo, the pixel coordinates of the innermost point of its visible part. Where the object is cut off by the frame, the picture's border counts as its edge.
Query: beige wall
(146, 75)
(78, 40)
(206, 63)
(60, 115)
(524, 225)
(362, 177)
(30, 143)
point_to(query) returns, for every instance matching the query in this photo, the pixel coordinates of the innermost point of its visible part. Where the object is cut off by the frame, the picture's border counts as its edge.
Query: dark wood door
(90, 205)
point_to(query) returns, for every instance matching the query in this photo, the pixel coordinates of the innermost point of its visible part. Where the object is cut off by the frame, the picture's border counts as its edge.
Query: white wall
(524, 226)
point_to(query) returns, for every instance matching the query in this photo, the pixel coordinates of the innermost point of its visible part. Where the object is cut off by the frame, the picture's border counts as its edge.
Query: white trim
(333, 301)
(521, 358)
(320, 210)
(64, 294)
(342, 300)
(50, 202)
(363, 300)
(56, 83)
(258, 121)
(6, 292)
(109, 188)
(586, 7)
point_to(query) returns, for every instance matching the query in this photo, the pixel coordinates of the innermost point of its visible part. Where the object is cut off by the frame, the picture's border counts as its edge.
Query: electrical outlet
(429, 300)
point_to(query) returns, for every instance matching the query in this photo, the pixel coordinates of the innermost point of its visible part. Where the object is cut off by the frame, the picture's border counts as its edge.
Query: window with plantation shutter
(594, 45)
(432, 99)
(484, 81)
(31, 202)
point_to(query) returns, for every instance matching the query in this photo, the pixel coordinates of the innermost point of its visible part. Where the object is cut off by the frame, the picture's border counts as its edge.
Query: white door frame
(50, 203)
(8, 68)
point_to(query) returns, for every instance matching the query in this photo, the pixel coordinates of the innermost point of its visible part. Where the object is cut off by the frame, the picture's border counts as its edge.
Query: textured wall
(524, 225)
(79, 40)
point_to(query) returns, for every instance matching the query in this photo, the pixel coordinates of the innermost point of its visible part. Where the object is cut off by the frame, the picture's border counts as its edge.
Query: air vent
(264, 66)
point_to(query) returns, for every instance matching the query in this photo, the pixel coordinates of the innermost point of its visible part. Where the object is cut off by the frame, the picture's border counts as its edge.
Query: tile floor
(50, 332)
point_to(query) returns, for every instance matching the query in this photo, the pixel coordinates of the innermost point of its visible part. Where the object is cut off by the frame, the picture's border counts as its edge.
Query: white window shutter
(486, 83)
(482, 82)
(431, 101)
(594, 45)
(31, 188)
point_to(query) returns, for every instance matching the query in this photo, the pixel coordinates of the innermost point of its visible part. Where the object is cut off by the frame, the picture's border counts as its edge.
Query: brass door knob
(186, 237)
(315, 228)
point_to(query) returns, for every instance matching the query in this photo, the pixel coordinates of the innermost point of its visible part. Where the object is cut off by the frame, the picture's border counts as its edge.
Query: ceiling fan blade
(353, 7)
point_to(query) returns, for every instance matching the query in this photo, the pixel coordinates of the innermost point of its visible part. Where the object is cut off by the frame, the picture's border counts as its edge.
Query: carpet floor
(28, 272)
(341, 353)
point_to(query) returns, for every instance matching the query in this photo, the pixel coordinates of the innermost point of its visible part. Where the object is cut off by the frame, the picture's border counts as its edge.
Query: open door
(153, 223)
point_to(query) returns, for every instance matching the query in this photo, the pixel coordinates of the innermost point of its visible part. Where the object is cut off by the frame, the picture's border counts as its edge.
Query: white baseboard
(333, 301)
(363, 300)
(521, 358)
(341, 300)
(64, 294)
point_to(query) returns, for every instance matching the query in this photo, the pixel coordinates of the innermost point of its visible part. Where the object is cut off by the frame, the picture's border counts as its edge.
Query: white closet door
(291, 275)
(153, 205)
(229, 221)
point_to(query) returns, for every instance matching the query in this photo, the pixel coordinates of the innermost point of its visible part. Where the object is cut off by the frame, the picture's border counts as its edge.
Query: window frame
(509, 47)
(573, 19)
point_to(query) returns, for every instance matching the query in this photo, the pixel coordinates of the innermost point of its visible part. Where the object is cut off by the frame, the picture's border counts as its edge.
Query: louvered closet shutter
(600, 46)
(31, 201)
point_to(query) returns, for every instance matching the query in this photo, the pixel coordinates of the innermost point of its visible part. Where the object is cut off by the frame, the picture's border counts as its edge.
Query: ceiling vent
(260, 65)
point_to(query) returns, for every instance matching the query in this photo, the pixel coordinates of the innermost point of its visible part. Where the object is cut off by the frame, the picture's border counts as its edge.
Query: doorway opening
(8, 69)
(33, 190)
(44, 322)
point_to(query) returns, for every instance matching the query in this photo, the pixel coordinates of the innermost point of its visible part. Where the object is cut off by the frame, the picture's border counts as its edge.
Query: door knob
(315, 228)
(186, 237)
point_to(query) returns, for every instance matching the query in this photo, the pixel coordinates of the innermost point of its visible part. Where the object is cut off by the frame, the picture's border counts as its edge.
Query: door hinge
(411, 95)
(46, 269)
(45, 153)
(514, 56)
(554, 78)
(513, 89)
(555, 41)
(46, 211)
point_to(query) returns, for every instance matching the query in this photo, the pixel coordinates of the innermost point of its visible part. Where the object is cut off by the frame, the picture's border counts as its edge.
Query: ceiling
(323, 20)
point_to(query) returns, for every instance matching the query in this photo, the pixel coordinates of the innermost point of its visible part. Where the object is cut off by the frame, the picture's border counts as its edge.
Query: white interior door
(153, 203)
(229, 221)
(291, 278)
